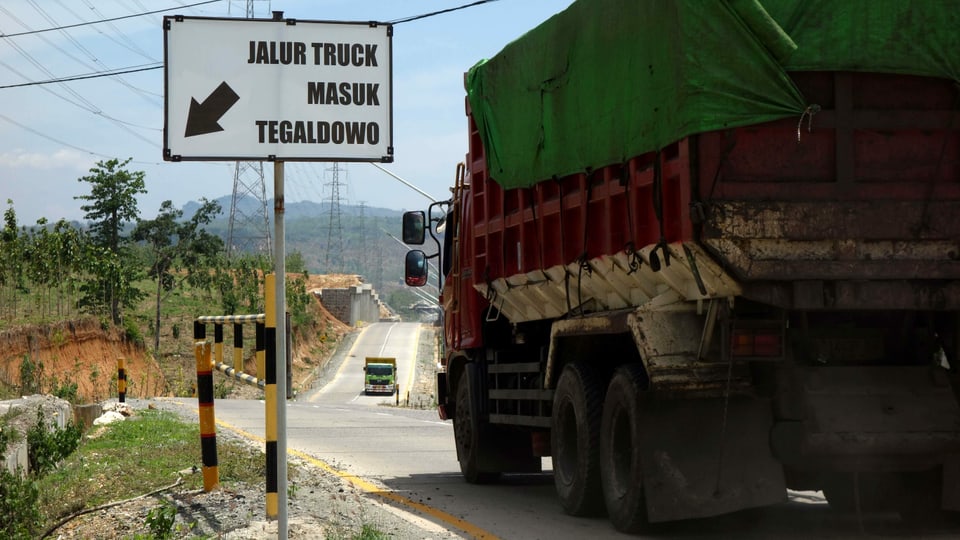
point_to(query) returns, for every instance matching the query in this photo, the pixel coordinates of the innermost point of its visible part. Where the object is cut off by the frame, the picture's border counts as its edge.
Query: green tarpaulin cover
(605, 80)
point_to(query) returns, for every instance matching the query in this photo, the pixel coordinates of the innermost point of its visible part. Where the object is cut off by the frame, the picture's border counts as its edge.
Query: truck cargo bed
(853, 206)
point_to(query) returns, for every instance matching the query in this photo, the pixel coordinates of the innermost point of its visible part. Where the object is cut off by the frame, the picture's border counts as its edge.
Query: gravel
(320, 504)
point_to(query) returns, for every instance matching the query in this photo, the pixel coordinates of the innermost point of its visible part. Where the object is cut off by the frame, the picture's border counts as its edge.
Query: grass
(136, 456)
(144, 453)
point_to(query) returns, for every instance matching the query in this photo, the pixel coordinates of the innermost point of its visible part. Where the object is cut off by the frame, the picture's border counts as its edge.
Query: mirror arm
(443, 208)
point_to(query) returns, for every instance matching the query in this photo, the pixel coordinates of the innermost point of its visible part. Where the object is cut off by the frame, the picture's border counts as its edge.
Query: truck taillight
(756, 342)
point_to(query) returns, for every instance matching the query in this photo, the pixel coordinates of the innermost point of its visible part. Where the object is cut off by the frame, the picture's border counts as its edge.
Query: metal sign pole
(280, 267)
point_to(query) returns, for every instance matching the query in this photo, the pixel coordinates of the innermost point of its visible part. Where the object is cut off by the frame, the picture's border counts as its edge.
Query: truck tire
(468, 430)
(621, 472)
(575, 440)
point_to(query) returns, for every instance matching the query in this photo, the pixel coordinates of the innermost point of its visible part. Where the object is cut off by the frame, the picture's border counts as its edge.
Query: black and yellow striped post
(217, 343)
(261, 352)
(122, 379)
(208, 429)
(270, 393)
(238, 346)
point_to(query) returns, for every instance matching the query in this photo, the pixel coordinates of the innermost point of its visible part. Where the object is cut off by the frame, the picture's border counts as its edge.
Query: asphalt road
(408, 458)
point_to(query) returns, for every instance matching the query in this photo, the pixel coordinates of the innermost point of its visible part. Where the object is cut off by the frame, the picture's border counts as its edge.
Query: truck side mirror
(415, 268)
(414, 227)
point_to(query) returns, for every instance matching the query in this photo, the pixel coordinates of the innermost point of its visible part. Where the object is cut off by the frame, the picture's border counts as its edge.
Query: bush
(19, 500)
(161, 520)
(47, 446)
(67, 390)
(222, 389)
(131, 331)
(30, 376)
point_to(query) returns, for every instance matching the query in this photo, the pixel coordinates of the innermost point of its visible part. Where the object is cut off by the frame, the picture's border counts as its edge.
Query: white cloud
(63, 158)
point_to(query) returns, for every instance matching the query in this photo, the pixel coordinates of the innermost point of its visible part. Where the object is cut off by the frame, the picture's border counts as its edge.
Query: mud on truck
(701, 253)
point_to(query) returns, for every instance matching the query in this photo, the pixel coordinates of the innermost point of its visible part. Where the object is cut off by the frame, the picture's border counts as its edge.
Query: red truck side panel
(563, 220)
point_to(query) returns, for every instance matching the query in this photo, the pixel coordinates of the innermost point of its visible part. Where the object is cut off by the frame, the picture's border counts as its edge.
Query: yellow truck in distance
(380, 375)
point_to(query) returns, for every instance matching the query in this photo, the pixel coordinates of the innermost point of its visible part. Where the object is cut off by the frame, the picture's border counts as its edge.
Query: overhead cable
(125, 42)
(146, 94)
(441, 12)
(94, 75)
(49, 138)
(107, 20)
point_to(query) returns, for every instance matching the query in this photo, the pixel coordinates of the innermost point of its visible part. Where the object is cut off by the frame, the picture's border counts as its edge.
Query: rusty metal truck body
(697, 328)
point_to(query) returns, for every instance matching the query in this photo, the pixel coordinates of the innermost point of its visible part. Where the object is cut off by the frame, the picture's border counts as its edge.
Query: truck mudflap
(706, 457)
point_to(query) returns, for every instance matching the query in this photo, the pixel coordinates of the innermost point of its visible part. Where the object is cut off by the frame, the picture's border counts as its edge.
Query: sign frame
(226, 113)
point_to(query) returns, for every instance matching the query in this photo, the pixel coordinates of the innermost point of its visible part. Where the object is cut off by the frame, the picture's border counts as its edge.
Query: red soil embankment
(80, 352)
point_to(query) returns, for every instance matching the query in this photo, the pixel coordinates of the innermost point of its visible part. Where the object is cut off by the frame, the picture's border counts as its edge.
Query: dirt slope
(80, 352)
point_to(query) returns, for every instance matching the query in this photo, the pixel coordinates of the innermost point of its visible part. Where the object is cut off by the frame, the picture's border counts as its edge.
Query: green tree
(40, 265)
(112, 205)
(178, 248)
(12, 270)
(298, 299)
(68, 243)
(295, 263)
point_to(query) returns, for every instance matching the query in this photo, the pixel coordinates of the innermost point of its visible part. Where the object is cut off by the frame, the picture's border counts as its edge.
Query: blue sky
(52, 134)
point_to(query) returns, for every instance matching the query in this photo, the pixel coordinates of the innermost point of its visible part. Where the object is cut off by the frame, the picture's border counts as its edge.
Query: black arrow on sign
(203, 117)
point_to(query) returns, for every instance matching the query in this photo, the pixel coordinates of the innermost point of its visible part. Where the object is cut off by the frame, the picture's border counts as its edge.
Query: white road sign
(292, 90)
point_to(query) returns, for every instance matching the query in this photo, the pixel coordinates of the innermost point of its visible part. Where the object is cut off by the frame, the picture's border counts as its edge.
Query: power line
(135, 69)
(107, 20)
(127, 42)
(58, 141)
(248, 182)
(80, 46)
(334, 255)
(75, 147)
(441, 12)
(84, 103)
(94, 75)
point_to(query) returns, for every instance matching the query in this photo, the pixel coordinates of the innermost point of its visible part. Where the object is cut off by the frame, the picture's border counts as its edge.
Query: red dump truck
(701, 253)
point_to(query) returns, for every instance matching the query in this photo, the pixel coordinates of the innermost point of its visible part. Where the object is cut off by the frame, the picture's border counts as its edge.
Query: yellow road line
(368, 487)
(343, 365)
(416, 359)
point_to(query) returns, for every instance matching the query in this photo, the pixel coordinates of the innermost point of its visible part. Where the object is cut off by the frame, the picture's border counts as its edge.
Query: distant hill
(294, 210)
(369, 247)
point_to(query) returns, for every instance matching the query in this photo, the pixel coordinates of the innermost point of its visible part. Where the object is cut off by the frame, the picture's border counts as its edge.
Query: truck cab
(380, 376)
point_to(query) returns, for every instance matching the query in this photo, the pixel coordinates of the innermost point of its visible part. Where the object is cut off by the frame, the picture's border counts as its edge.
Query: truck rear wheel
(575, 440)
(621, 471)
(468, 430)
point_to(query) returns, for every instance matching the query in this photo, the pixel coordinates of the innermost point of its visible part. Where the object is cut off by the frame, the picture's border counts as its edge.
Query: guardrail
(236, 371)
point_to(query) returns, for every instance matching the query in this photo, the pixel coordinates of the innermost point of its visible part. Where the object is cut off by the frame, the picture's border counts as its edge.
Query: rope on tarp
(807, 113)
(658, 211)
